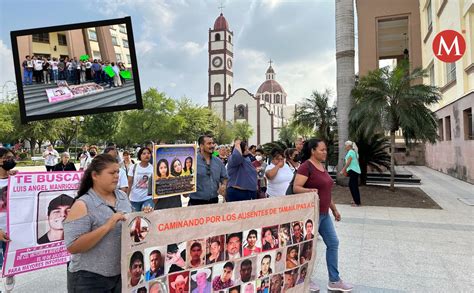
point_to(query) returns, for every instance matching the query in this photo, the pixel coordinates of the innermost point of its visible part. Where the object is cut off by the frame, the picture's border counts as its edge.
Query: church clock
(217, 61)
(229, 63)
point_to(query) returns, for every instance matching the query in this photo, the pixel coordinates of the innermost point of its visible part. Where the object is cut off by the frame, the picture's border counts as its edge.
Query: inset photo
(308, 229)
(270, 238)
(306, 251)
(265, 264)
(297, 235)
(175, 258)
(233, 246)
(248, 287)
(135, 274)
(290, 279)
(280, 260)
(235, 289)
(76, 69)
(252, 242)
(53, 208)
(215, 249)
(292, 260)
(179, 282)
(223, 275)
(284, 234)
(201, 280)
(139, 228)
(246, 270)
(276, 283)
(263, 285)
(196, 253)
(154, 262)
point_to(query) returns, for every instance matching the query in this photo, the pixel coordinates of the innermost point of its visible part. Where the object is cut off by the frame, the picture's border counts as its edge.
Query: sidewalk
(381, 249)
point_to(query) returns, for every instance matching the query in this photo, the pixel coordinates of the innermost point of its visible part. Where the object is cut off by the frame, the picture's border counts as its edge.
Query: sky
(171, 39)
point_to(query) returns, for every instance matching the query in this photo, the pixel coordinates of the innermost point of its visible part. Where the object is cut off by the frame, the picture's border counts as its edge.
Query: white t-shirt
(123, 179)
(38, 64)
(3, 197)
(88, 65)
(54, 65)
(279, 184)
(141, 176)
(50, 157)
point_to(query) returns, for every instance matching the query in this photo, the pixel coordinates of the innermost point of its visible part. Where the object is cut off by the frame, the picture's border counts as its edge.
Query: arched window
(218, 37)
(229, 88)
(277, 99)
(240, 112)
(230, 39)
(217, 88)
(267, 98)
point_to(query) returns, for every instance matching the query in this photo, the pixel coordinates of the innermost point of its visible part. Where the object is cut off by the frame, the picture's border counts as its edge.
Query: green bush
(23, 156)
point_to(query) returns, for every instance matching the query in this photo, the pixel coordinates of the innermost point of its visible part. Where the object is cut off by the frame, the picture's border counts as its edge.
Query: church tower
(220, 72)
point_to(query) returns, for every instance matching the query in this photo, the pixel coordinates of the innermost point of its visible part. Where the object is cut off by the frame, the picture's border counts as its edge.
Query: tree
(243, 130)
(389, 100)
(66, 131)
(224, 133)
(100, 128)
(7, 125)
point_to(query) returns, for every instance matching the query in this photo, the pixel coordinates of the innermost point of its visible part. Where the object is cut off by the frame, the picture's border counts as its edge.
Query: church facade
(266, 111)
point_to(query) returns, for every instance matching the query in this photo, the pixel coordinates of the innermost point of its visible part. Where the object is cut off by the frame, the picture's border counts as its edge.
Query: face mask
(258, 158)
(92, 154)
(8, 165)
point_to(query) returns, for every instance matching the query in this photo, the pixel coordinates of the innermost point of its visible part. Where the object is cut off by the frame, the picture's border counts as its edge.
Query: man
(242, 174)
(309, 230)
(299, 147)
(246, 271)
(214, 254)
(233, 247)
(195, 252)
(289, 279)
(225, 279)
(38, 69)
(51, 157)
(27, 70)
(136, 269)
(123, 180)
(211, 174)
(297, 233)
(156, 267)
(179, 284)
(200, 278)
(253, 152)
(57, 213)
(275, 283)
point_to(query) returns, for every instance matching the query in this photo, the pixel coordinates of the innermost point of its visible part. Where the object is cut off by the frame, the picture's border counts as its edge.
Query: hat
(62, 200)
(179, 279)
(198, 272)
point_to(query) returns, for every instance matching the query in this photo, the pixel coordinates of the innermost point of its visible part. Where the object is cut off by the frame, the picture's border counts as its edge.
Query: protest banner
(59, 94)
(174, 170)
(38, 203)
(254, 246)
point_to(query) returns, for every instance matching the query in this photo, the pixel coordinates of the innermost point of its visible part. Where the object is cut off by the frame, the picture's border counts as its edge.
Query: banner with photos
(38, 203)
(264, 245)
(174, 170)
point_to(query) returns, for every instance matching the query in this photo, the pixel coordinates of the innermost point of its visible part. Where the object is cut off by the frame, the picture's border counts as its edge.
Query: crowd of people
(113, 185)
(46, 70)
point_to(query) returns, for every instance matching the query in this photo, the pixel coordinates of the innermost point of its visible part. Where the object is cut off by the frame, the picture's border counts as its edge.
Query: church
(266, 111)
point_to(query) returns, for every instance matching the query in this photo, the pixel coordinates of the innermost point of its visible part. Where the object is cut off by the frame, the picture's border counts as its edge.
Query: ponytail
(308, 146)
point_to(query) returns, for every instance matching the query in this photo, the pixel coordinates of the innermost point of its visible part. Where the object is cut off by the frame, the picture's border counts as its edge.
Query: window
(125, 43)
(267, 98)
(129, 60)
(118, 57)
(440, 129)
(96, 55)
(217, 88)
(62, 40)
(450, 72)
(92, 35)
(230, 39)
(42, 55)
(467, 119)
(41, 38)
(114, 41)
(240, 112)
(229, 90)
(428, 16)
(217, 37)
(447, 125)
(122, 29)
(432, 75)
(277, 99)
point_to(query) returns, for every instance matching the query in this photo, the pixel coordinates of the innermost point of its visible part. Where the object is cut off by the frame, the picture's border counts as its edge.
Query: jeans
(354, 186)
(234, 194)
(137, 206)
(55, 75)
(328, 233)
(27, 77)
(84, 281)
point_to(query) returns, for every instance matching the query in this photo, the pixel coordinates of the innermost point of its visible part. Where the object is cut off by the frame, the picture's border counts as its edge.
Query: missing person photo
(248, 287)
(280, 260)
(297, 235)
(265, 264)
(303, 272)
(290, 279)
(235, 289)
(223, 275)
(246, 270)
(154, 262)
(158, 286)
(201, 280)
(233, 246)
(139, 228)
(308, 230)
(284, 234)
(196, 253)
(175, 257)
(276, 283)
(136, 269)
(76, 69)
(292, 260)
(306, 251)
(53, 207)
(179, 282)
(215, 249)
(270, 238)
(263, 285)
(252, 242)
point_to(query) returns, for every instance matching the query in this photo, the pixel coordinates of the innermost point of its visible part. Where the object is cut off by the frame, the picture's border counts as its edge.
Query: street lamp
(77, 123)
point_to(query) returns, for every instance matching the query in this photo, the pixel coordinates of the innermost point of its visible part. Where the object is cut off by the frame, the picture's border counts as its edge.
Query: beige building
(454, 153)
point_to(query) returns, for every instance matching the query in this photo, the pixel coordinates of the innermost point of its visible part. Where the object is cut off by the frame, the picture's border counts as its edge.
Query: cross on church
(270, 62)
(221, 7)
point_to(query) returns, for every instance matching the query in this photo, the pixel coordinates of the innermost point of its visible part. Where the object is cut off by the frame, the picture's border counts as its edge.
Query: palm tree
(345, 70)
(372, 152)
(391, 100)
(243, 130)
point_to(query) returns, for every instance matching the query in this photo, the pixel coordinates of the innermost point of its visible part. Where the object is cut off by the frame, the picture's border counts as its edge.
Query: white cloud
(272, 4)
(7, 76)
(193, 48)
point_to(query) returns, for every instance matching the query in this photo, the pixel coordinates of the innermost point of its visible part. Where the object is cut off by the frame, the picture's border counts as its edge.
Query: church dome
(221, 23)
(270, 86)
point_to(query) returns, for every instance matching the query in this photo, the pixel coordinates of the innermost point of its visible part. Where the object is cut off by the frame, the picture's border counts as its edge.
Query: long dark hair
(173, 172)
(190, 168)
(165, 161)
(4, 151)
(308, 146)
(98, 164)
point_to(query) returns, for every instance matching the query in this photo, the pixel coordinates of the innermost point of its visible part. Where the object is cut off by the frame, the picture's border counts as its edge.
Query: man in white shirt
(51, 157)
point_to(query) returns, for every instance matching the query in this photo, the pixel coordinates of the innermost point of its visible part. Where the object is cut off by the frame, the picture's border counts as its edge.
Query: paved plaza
(381, 249)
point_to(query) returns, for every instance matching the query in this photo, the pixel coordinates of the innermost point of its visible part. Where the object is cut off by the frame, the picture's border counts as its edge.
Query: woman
(92, 230)
(163, 169)
(313, 177)
(265, 264)
(352, 169)
(242, 184)
(176, 168)
(292, 257)
(7, 163)
(306, 252)
(138, 177)
(65, 165)
(188, 167)
(279, 174)
(122, 67)
(269, 241)
(127, 161)
(92, 153)
(291, 156)
(251, 247)
(215, 253)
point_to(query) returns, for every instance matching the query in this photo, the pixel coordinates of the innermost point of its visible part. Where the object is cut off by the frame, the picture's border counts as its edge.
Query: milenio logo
(449, 46)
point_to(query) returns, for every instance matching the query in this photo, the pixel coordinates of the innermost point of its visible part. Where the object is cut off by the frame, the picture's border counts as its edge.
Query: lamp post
(77, 123)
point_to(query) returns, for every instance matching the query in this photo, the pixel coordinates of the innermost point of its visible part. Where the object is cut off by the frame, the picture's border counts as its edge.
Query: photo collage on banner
(273, 257)
(40, 202)
(174, 170)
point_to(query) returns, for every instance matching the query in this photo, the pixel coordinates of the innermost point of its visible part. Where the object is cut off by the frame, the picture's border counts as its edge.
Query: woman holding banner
(313, 177)
(138, 177)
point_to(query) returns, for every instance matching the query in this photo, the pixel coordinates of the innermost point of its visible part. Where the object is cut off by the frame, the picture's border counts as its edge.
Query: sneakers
(340, 286)
(313, 287)
(9, 283)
